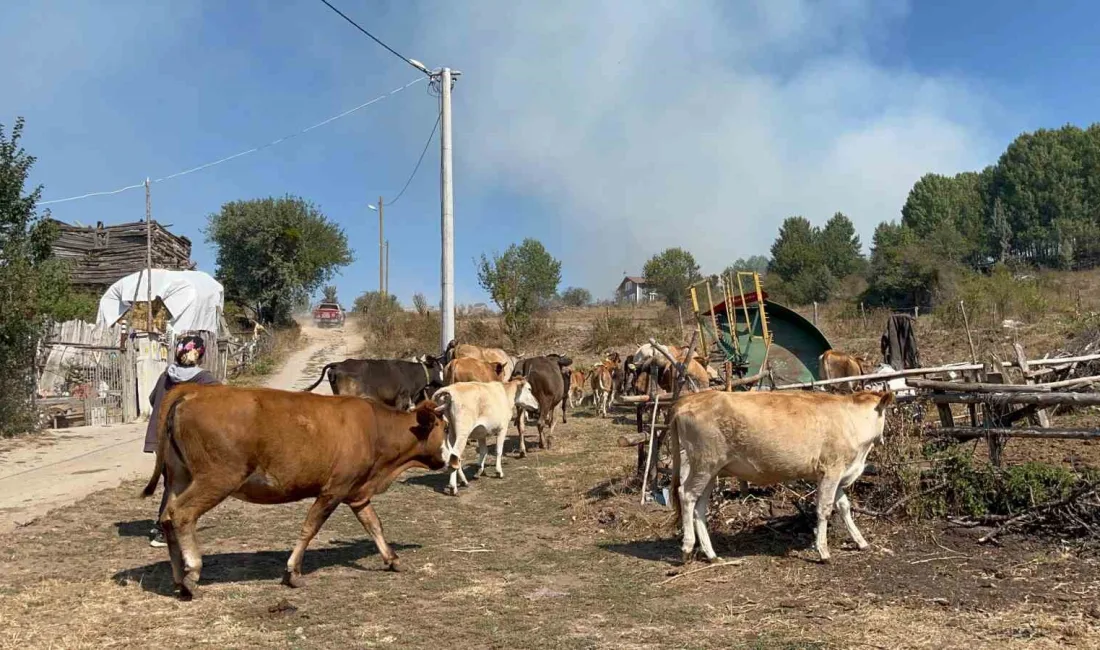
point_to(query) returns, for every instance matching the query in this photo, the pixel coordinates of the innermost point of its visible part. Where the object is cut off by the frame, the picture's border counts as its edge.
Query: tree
(758, 263)
(275, 252)
(328, 294)
(576, 297)
(520, 281)
(840, 247)
(671, 273)
(33, 286)
(1001, 232)
(420, 304)
(795, 249)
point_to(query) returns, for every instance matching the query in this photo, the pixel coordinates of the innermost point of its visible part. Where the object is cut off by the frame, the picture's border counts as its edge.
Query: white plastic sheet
(193, 298)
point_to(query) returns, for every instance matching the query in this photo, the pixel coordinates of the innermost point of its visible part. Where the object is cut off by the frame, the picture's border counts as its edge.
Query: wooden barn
(101, 255)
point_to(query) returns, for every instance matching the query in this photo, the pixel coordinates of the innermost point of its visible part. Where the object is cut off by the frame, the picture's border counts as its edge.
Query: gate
(84, 377)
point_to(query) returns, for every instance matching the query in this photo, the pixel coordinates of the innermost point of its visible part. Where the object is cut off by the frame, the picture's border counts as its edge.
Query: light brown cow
(576, 388)
(603, 387)
(488, 355)
(834, 364)
(771, 437)
(270, 446)
(469, 369)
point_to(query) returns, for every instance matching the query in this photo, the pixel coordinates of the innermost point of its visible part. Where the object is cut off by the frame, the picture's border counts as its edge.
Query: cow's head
(431, 432)
(525, 399)
(434, 366)
(866, 367)
(448, 455)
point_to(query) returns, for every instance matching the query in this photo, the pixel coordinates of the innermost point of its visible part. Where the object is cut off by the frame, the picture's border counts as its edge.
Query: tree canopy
(670, 273)
(520, 281)
(34, 287)
(576, 297)
(274, 252)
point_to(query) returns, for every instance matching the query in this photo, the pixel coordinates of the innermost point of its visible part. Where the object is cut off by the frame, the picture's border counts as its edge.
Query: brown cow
(489, 355)
(603, 387)
(269, 446)
(576, 388)
(544, 375)
(834, 364)
(469, 369)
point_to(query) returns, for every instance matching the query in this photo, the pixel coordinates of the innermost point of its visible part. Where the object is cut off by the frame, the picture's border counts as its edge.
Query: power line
(239, 153)
(419, 160)
(416, 64)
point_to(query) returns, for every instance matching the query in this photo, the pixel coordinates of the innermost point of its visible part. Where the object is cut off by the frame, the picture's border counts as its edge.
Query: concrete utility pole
(387, 267)
(447, 308)
(381, 253)
(148, 259)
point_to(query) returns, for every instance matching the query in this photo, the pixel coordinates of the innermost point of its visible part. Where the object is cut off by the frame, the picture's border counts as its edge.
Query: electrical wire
(239, 153)
(375, 39)
(431, 136)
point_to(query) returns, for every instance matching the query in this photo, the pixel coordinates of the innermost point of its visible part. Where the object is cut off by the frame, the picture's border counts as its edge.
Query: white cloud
(644, 125)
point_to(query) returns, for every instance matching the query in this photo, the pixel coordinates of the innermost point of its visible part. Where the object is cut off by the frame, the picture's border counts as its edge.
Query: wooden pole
(1042, 399)
(815, 313)
(969, 433)
(969, 338)
(387, 267)
(148, 260)
(911, 372)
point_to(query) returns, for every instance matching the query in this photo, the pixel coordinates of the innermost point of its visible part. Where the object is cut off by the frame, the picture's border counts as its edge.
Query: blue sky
(608, 130)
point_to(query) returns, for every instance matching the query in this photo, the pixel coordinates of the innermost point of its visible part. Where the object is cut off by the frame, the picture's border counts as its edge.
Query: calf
(467, 369)
(834, 365)
(395, 382)
(576, 388)
(766, 438)
(548, 387)
(603, 386)
(475, 410)
(270, 446)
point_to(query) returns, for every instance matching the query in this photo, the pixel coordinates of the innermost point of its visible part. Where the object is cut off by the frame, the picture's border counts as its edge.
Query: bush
(576, 297)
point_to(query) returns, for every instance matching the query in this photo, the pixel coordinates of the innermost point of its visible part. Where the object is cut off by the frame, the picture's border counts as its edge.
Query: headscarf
(189, 351)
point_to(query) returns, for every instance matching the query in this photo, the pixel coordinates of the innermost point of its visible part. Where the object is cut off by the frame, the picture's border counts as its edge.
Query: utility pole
(447, 308)
(148, 260)
(387, 267)
(381, 253)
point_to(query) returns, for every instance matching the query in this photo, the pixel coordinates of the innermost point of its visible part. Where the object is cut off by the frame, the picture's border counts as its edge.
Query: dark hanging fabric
(899, 342)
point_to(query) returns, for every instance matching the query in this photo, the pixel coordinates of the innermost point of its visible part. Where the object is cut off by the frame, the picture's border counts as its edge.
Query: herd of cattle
(386, 416)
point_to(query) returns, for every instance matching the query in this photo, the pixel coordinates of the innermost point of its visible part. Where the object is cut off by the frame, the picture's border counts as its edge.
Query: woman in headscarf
(189, 353)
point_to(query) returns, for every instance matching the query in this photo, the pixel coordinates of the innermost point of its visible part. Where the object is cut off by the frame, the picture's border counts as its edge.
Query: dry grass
(279, 345)
(573, 561)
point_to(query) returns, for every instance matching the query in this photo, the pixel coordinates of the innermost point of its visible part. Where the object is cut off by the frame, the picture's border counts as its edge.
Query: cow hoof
(188, 589)
(292, 580)
(686, 558)
(394, 566)
(825, 559)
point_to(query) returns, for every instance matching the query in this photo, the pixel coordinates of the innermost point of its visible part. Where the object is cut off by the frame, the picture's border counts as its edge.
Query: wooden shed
(101, 255)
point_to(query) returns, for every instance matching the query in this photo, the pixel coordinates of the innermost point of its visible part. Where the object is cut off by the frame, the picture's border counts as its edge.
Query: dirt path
(56, 469)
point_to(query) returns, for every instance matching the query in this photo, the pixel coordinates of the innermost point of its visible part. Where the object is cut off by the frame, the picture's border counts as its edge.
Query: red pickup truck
(328, 313)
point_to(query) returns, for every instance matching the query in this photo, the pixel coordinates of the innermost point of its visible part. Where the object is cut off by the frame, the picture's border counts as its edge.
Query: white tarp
(193, 298)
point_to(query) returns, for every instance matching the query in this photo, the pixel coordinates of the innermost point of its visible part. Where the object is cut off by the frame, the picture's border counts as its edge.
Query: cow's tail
(166, 424)
(324, 371)
(674, 450)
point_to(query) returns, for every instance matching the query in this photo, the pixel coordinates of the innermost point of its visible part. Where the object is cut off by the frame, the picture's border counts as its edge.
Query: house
(635, 289)
(100, 256)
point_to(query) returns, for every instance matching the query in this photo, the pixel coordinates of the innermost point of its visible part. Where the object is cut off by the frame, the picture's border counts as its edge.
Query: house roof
(632, 278)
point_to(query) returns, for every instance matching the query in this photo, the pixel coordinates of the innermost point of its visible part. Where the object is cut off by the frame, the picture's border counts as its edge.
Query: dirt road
(56, 469)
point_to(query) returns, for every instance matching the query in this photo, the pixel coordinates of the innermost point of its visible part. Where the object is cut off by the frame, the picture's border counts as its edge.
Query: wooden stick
(1043, 399)
(972, 387)
(970, 433)
(705, 568)
(1058, 361)
(649, 452)
(912, 372)
(969, 338)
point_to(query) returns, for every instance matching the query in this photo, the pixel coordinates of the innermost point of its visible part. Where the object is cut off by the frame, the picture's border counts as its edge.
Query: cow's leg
(175, 482)
(550, 427)
(180, 517)
(563, 419)
(500, 450)
(521, 419)
(701, 522)
(369, 518)
(826, 496)
(688, 494)
(318, 513)
(845, 508)
(482, 454)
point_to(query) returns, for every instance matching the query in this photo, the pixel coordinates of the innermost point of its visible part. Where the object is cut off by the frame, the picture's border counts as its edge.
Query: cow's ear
(498, 368)
(426, 418)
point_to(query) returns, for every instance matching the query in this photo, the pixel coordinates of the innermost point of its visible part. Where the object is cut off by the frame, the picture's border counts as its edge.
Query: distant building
(100, 256)
(635, 289)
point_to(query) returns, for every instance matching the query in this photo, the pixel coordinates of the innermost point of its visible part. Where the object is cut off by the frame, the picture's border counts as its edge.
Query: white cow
(475, 410)
(767, 438)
